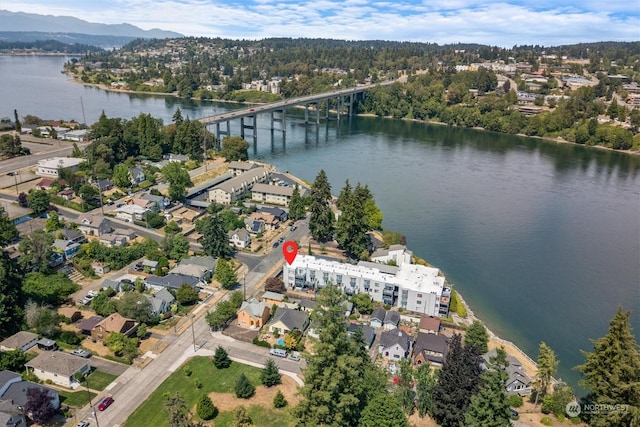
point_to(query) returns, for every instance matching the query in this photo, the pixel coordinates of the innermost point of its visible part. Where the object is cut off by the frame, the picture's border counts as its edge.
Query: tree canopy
(322, 219)
(234, 148)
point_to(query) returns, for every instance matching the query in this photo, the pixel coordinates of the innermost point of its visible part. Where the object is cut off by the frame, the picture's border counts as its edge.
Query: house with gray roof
(11, 415)
(368, 333)
(430, 348)
(239, 238)
(307, 305)
(14, 389)
(518, 383)
(395, 344)
(59, 367)
(160, 301)
(237, 167)
(286, 320)
(22, 340)
(253, 314)
(94, 225)
(67, 247)
(136, 174)
(235, 188)
(172, 281)
(377, 317)
(158, 202)
(391, 320)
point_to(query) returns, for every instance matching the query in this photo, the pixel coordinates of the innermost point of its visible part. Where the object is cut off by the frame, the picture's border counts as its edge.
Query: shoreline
(557, 140)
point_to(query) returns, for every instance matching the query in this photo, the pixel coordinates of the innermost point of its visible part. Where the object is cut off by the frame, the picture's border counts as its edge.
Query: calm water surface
(542, 239)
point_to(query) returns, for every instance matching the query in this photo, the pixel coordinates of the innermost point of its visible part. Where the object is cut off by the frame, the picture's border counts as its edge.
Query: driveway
(104, 365)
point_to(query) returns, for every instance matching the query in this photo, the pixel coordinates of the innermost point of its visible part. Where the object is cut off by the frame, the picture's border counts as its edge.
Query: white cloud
(442, 21)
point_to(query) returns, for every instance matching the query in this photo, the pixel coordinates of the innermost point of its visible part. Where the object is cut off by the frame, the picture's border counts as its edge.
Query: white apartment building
(51, 167)
(408, 286)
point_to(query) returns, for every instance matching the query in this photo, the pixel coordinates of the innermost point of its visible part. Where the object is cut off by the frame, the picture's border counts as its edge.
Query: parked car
(280, 240)
(275, 244)
(84, 301)
(278, 352)
(82, 353)
(106, 402)
(295, 356)
(83, 424)
(293, 228)
(92, 292)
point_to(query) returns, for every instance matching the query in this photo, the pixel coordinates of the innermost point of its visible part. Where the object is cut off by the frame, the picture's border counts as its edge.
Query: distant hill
(31, 22)
(13, 39)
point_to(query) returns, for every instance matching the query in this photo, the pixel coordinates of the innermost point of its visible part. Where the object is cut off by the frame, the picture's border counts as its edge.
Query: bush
(279, 401)
(261, 343)
(187, 371)
(69, 337)
(546, 421)
(205, 408)
(515, 401)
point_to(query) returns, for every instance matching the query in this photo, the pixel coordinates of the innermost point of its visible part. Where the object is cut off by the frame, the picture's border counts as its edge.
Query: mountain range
(31, 22)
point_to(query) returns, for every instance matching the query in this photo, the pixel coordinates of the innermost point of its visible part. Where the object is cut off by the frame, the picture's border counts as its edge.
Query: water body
(542, 239)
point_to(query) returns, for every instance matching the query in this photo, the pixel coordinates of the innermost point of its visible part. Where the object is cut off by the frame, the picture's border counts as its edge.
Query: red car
(106, 402)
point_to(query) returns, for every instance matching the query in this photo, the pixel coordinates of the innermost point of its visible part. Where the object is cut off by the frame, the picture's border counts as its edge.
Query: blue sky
(501, 23)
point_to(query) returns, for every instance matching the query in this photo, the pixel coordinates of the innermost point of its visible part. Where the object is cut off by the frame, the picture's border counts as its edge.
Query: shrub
(187, 371)
(546, 421)
(244, 389)
(260, 343)
(279, 401)
(205, 408)
(69, 337)
(515, 401)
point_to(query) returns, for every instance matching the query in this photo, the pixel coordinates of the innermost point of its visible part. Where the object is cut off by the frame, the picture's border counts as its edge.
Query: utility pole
(15, 177)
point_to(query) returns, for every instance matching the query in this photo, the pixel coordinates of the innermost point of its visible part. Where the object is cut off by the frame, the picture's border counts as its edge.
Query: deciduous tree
(39, 405)
(234, 148)
(186, 295)
(8, 230)
(426, 379)
(383, 411)
(178, 179)
(225, 274)
(38, 201)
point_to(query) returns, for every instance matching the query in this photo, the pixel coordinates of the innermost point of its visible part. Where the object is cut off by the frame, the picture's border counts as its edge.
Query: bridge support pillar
(282, 120)
(351, 104)
(318, 113)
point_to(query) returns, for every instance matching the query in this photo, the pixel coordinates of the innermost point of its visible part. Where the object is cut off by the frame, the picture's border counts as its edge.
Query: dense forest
(49, 46)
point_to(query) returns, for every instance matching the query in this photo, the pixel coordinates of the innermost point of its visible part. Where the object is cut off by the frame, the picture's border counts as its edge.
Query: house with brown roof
(253, 314)
(113, 323)
(58, 367)
(94, 225)
(87, 325)
(430, 325)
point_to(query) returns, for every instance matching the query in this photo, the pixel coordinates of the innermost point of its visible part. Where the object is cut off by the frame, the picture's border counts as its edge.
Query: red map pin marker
(290, 251)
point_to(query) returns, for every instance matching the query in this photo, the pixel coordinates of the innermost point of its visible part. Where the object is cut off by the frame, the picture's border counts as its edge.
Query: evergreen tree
(296, 205)
(8, 230)
(426, 379)
(490, 406)
(459, 379)
(612, 374)
(244, 389)
(205, 408)
(344, 196)
(215, 241)
(221, 358)
(335, 390)
(547, 367)
(351, 228)
(279, 401)
(269, 376)
(322, 219)
(383, 411)
(476, 335)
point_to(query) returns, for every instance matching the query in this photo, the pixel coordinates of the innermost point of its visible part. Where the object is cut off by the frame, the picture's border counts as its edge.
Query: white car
(92, 292)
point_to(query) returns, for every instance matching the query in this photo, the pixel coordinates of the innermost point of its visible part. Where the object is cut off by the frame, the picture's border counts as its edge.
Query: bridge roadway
(280, 107)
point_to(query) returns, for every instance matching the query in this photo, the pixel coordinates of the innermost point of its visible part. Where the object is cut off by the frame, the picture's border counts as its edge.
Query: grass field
(75, 399)
(98, 380)
(151, 412)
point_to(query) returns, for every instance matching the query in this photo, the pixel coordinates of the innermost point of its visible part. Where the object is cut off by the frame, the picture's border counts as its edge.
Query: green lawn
(76, 399)
(99, 380)
(261, 417)
(151, 411)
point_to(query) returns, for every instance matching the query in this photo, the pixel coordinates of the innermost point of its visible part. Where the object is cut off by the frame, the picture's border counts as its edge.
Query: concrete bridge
(340, 100)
